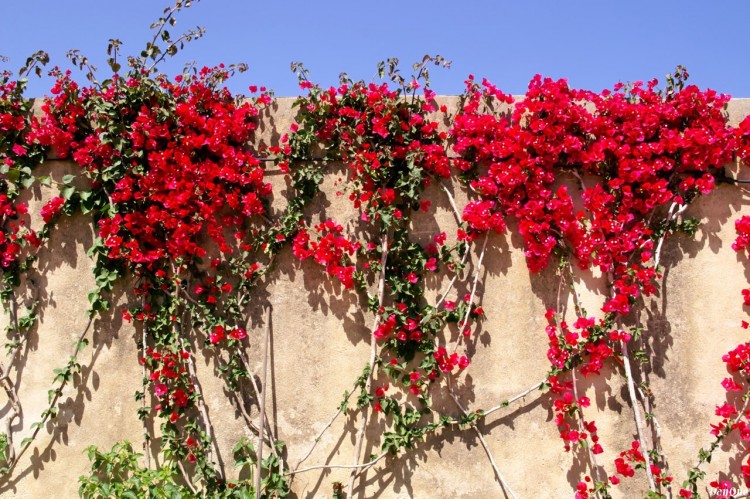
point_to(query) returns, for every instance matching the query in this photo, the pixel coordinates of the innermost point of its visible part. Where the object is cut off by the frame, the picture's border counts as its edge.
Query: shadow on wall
(59, 285)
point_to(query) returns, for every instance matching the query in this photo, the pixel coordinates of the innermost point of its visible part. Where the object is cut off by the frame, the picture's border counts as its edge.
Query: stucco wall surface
(320, 343)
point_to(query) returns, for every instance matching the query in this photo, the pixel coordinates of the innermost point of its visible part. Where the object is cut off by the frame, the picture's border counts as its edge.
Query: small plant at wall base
(180, 204)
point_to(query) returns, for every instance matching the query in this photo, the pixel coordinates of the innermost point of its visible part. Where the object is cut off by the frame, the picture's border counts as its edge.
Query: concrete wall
(320, 343)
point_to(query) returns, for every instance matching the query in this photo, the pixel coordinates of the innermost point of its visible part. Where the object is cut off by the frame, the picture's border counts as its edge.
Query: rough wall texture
(320, 343)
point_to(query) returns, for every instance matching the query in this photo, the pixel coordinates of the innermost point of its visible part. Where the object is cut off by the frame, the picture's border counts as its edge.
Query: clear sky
(593, 44)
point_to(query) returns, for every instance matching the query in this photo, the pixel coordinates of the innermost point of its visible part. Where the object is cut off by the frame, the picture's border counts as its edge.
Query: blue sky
(593, 44)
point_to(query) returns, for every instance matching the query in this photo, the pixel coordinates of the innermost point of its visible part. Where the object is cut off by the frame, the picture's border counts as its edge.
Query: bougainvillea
(179, 201)
(173, 185)
(640, 156)
(18, 157)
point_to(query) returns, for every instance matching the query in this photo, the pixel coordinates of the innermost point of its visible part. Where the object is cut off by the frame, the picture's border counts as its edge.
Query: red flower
(217, 334)
(160, 390)
(238, 334)
(52, 209)
(180, 398)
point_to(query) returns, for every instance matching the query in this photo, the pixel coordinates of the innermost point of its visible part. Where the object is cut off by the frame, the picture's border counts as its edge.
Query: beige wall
(321, 343)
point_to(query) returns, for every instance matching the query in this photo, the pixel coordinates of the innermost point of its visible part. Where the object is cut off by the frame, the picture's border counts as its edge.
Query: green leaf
(67, 192)
(82, 344)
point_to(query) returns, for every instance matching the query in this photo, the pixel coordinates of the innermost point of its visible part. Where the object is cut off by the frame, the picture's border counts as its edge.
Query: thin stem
(656, 436)
(637, 413)
(339, 466)
(373, 354)
(360, 468)
(203, 411)
(574, 292)
(445, 293)
(186, 478)
(477, 272)
(266, 427)
(503, 483)
(735, 181)
(16, 411)
(146, 435)
(579, 412)
(580, 179)
(558, 304)
(511, 400)
(633, 398)
(241, 406)
(17, 338)
(582, 429)
(325, 428)
(453, 421)
(452, 202)
(674, 211)
(651, 417)
(262, 401)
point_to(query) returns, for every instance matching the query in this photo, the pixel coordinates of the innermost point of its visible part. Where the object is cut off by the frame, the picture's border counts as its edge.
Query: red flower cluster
(628, 457)
(52, 209)
(62, 117)
(17, 157)
(169, 165)
(567, 410)
(566, 343)
(331, 250)
(13, 232)
(385, 139)
(448, 363)
(646, 147)
(633, 150)
(170, 382)
(182, 166)
(742, 135)
(14, 122)
(219, 332)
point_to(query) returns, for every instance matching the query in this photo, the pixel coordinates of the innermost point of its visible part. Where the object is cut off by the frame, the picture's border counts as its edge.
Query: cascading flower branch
(180, 202)
(18, 157)
(734, 413)
(641, 155)
(169, 159)
(19, 243)
(392, 150)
